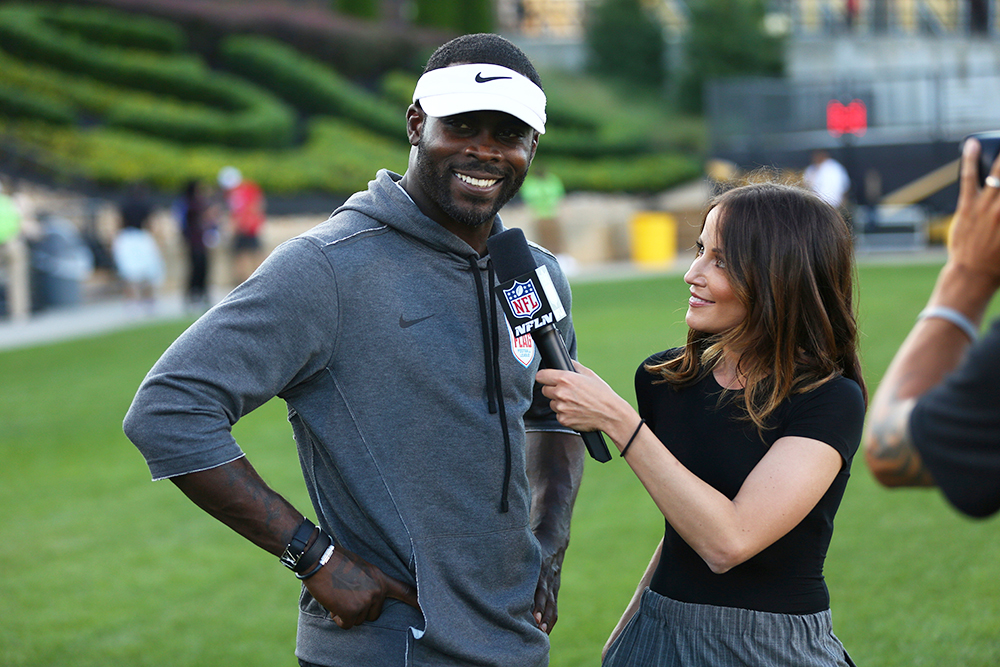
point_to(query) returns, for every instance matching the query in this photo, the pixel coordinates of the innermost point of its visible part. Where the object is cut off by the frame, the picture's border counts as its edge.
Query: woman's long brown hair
(790, 261)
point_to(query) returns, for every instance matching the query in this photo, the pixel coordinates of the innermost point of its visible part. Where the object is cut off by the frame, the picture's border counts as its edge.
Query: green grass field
(99, 566)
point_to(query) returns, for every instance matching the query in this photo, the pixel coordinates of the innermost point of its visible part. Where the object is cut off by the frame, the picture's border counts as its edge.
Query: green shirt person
(542, 192)
(10, 218)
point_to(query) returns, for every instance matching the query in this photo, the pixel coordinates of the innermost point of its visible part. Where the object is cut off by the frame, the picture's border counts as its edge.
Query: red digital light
(849, 119)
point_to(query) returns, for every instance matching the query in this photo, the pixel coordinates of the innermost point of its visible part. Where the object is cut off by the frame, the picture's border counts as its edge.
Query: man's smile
(477, 182)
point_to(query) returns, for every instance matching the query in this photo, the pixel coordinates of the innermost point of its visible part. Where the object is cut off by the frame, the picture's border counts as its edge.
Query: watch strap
(293, 552)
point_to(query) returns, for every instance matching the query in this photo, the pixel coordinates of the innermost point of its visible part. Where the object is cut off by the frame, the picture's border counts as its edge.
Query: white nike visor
(447, 91)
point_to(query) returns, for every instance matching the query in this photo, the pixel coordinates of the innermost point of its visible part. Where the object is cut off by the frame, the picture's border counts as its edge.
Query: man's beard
(436, 182)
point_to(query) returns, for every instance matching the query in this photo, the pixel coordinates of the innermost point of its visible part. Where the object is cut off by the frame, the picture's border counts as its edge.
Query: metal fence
(751, 115)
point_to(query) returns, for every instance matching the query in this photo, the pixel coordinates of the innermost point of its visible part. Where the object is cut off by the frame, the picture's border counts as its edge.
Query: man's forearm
(889, 450)
(237, 496)
(555, 470)
(932, 350)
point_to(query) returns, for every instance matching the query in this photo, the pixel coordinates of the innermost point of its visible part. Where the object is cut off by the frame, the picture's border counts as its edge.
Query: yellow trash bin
(654, 238)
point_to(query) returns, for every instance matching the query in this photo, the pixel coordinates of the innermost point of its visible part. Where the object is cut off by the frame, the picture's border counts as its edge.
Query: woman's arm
(775, 497)
(633, 605)
(779, 492)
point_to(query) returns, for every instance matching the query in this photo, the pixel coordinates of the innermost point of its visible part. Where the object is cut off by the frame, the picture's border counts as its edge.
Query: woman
(137, 256)
(745, 439)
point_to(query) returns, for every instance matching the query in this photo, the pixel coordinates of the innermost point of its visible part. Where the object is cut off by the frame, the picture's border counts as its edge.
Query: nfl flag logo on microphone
(530, 301)
(522, 299)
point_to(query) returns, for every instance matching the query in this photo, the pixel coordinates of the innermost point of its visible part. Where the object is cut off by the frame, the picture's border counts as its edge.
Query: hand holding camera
(990, 149)
(974, 236)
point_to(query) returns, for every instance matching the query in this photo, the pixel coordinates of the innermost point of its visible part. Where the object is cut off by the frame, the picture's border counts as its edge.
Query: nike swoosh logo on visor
(406, 324)
(483, 79)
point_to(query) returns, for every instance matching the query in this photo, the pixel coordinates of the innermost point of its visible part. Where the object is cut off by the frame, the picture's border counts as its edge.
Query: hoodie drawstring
(491, 357)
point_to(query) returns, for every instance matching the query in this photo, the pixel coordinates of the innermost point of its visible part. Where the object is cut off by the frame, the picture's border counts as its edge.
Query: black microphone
(532, 306)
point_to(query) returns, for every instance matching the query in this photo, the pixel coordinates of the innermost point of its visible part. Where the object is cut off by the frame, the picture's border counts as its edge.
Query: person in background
(442, 483)
(197, 218)
(827, 178)
(136, 254)
(542, 193)
(246, 206)
(744, 439)
(13, 258)
(935, 418)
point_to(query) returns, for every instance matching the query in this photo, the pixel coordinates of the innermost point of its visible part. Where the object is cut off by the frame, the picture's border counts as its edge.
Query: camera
(990, 142)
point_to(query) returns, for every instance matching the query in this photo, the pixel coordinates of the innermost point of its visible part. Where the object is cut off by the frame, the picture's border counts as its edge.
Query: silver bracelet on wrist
(953, 316)
(323, 560)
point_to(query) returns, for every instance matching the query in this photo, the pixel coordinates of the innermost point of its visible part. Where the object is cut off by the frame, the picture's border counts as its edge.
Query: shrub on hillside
(358, 49)
(337, 157)
(240, 114)
(20, 103)
(118, 29)
(642, 174)
(309, 85)
(397, 87)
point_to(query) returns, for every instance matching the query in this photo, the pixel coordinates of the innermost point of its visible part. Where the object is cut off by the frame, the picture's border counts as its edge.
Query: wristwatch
(293, 552)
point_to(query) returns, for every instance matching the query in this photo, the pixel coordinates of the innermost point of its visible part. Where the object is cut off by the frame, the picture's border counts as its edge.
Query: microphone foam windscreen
(510, 254)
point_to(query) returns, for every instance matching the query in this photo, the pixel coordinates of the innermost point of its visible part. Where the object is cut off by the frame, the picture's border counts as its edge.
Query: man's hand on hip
(353, 590)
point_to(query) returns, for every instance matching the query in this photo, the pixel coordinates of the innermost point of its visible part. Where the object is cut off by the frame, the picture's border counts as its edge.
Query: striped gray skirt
(668, 633)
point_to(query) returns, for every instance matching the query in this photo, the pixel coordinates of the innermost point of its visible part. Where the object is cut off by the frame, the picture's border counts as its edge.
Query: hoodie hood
(386, 201)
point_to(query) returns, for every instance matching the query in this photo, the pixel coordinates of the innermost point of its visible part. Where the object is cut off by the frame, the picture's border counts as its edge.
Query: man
(542, 193)
(442, 483)
(935, 418)
(246, 205)
(827, 178)
(14, 256)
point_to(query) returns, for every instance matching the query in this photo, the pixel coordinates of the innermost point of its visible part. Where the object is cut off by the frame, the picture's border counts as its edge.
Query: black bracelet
(295, 549)
(312, 554)
(322, 544)
(632, 439)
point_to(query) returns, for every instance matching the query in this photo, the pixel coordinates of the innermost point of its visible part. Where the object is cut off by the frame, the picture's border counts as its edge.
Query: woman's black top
(716, 445)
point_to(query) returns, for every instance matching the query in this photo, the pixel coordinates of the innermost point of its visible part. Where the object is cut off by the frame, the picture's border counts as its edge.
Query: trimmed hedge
(397, 87)
(164, 117)
(643, 174)
(82, 94)
(309, 85)
(358, 49)
(20, 103)
(254, 118)
(338, 157)
(118, 29)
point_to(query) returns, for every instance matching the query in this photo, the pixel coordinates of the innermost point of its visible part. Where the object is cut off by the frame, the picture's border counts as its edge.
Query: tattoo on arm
(237, 496)
(890, 451)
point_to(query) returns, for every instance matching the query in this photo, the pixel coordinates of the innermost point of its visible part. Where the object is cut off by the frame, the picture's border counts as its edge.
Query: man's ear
(534, 146)
(414, 123)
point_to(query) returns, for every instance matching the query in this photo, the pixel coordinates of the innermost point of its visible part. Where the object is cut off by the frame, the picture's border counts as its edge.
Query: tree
(727, 38)
(625, 43)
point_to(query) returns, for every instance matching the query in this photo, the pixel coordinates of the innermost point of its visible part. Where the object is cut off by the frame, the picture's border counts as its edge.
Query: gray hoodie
(379, 330)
